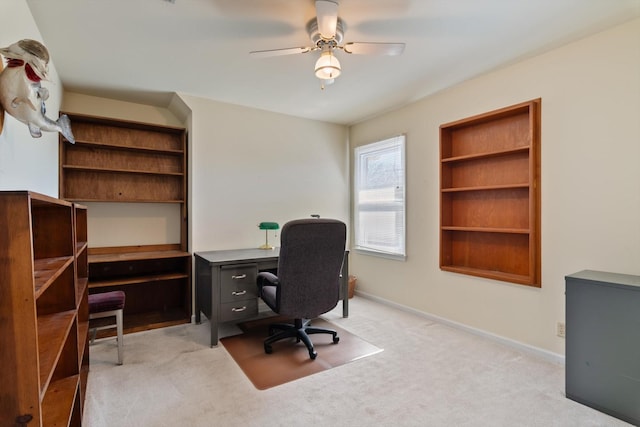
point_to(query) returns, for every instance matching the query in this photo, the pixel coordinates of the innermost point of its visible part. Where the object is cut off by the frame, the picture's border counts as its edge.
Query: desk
(225, 285)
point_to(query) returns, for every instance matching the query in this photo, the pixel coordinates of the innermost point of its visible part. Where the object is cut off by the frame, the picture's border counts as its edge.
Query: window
(379, 197)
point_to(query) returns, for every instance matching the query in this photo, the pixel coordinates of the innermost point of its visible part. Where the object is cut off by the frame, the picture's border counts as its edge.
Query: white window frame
(363, 242)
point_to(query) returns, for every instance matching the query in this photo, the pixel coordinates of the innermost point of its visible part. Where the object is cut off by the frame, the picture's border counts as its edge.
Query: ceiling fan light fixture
(327, 66)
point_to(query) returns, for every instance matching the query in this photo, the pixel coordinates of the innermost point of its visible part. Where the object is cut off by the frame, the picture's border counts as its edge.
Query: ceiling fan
(326, 31)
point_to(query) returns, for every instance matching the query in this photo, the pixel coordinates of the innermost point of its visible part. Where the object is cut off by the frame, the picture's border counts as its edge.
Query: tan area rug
(290, 361)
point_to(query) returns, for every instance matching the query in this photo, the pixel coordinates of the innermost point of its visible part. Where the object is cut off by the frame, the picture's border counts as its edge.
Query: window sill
(378, 254)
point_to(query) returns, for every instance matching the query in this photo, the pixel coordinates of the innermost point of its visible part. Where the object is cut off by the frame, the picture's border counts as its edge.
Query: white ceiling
(145, 50)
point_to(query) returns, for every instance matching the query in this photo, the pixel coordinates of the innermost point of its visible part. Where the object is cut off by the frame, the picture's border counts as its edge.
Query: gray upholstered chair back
(311, 255)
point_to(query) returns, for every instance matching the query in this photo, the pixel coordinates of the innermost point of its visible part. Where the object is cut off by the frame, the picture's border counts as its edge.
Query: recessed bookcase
(490, 195)
(130, 162)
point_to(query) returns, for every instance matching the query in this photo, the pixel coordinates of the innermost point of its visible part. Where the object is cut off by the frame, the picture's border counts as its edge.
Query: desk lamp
(266, 226)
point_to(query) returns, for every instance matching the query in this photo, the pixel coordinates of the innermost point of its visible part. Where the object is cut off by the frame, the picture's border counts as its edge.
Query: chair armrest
(267, 279)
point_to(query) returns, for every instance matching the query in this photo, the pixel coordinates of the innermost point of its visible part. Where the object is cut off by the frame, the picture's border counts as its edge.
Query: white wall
(249, 165)
(590, 143)
(28, 163)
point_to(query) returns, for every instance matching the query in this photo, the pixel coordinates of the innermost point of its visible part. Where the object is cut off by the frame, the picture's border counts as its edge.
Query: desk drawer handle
(238, 293)
(239, 276)
(238, 309)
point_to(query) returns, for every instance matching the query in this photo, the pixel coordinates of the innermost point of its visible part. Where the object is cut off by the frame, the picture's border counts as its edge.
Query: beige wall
(249, 165)
(28, 163)
(590, 94)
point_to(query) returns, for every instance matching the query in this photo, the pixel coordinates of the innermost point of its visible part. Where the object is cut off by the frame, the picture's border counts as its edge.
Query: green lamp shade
(268, 226)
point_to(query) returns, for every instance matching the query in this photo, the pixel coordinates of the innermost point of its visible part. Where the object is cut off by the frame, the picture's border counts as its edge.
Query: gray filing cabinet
(603, 342)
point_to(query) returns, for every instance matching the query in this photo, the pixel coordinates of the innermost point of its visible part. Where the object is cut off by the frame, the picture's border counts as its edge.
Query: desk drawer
(239, 310)
(238, 283)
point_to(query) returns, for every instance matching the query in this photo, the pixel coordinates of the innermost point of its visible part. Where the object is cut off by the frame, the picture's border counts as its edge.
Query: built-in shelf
(490, 195)
(123, 171)
(130, 162)
(115, 146)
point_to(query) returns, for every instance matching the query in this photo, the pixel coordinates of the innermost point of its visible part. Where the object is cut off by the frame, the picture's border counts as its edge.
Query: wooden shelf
(137, 280)
(484, 188)
(58, 403)
(488, 274)
(95, 144)
(138, 322)
(156, 280)
(490, 195)
(486, 155)
(131, 162)
(488, 229)
(121, 161)
(41, 334)
(53, 331)
(115, 170)
(96, 255)
(46, 271)
(123, 200)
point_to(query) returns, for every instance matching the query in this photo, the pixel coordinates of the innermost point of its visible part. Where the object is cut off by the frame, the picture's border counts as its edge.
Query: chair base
(300, 330)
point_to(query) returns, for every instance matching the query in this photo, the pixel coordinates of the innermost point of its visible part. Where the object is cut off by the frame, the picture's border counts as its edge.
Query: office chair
(307, 281)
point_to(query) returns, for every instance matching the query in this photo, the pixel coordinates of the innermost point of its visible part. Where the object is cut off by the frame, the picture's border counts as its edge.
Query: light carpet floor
(429, 374)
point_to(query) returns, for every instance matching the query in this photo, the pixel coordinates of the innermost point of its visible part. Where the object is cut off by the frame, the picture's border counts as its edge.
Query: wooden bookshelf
(123, 161)
(42, 336)
(132, 162)
(490, 195)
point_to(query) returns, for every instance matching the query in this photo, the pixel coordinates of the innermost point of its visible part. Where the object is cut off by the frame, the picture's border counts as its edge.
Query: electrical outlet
(561, 329)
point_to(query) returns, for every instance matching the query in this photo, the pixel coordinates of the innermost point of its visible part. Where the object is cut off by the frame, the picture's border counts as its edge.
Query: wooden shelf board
(38, 199)
(136, 280)
(46, 270)
(497, 153)
(496, 275)
(58, 402)
(125, 171)
(136, 256)
(488, 229)
(128, 148)
(82, 286)
(138, 322)
(484, 188)
(81, 246)
(87, 200)
(53, 330)
(83, 336)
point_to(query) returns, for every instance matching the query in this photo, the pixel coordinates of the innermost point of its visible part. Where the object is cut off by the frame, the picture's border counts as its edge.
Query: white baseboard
(526, 348)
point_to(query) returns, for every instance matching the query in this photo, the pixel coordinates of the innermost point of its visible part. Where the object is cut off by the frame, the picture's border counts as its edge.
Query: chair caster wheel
(268, 349)
(336, 339)
(313, 355)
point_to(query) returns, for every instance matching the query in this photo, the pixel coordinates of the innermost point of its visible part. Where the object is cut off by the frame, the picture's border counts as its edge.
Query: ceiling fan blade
(279, 52)
(327, 13)
(390, 49)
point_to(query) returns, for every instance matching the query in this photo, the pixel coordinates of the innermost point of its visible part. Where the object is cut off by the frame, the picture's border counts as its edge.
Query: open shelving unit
(43, 334)
(82, 294)
(155, 280)
(490, 195)
(131, 162)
